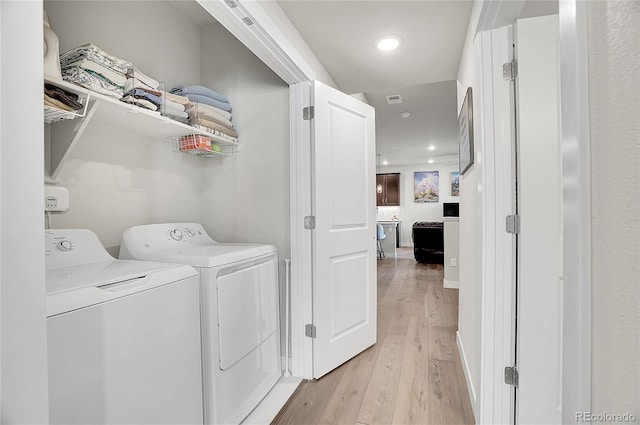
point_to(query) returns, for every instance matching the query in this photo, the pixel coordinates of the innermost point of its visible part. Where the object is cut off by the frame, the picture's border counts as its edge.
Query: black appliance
(428, 242)
(451, 209)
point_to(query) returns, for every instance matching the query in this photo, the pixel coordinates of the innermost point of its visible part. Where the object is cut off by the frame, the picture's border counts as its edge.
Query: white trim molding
(576, 198)
(451, 284)
(301, 243)
(467, 374)
(497, 345)
(251, 24)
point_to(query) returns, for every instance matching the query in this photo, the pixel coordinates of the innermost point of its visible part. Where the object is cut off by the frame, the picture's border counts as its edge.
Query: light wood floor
(412, 375)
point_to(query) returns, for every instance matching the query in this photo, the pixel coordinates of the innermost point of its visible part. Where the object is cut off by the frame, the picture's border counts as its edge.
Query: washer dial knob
(64, 246)
(191, 233)
(176, 235)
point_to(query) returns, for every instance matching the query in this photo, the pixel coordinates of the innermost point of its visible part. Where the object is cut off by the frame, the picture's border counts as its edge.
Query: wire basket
(200, 145)
(53, 114)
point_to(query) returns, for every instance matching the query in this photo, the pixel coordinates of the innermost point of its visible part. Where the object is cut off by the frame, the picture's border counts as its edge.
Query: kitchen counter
(391, 242)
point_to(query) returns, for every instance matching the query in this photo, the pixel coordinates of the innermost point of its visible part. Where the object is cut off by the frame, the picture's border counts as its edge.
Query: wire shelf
(53, 114)
(200, 145)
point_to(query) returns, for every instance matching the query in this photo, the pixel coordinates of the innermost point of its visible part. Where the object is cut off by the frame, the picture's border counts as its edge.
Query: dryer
(123, 336)
(240, 319)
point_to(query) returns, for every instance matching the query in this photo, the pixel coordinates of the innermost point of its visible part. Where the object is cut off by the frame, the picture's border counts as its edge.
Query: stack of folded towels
(208, 111)
(92, 68)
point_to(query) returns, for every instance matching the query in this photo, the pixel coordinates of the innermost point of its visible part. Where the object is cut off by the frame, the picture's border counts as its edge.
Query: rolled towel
(209, 101)
(201, 91)
(195, 109)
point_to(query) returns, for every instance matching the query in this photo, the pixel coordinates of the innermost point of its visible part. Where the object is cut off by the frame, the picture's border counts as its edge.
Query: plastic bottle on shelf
(51, 51)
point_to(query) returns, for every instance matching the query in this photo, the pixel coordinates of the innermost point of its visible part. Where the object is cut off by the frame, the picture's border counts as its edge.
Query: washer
(240, 321)
(123, 336)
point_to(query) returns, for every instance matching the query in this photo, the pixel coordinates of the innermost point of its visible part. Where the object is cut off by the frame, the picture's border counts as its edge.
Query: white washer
(123, 336)
(241, 337)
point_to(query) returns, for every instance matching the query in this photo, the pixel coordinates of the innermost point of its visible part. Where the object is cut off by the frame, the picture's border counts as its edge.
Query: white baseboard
(452, 284)
(273, 402)
(467, 375)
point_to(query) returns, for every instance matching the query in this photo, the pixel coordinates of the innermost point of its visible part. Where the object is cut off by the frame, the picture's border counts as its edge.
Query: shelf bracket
(61, 144)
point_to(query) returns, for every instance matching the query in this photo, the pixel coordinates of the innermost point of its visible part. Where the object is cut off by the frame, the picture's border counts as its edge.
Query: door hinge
(511, 376)
(513, 224)
(510, 70)
(308, 113)
(310, 331)
(309, 222)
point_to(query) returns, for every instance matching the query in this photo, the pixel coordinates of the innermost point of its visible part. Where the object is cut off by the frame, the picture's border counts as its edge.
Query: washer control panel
(66, 247)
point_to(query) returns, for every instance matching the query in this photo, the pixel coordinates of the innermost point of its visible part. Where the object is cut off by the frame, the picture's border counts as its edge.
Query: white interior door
(539, 317)
(344, 240)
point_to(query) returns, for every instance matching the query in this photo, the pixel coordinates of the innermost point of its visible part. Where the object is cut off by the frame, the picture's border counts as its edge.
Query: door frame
(576, 201)
(496, 122)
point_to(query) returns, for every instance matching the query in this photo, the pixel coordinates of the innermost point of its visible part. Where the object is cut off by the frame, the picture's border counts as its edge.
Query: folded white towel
(194, 109)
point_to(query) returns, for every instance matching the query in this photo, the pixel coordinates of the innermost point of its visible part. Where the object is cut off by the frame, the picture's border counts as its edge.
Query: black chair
(428, 242)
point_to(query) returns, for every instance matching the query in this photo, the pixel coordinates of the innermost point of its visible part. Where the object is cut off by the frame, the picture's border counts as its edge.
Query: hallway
(412, 375)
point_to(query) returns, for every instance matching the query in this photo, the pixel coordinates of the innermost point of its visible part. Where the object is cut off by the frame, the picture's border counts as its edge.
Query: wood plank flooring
(412, 375)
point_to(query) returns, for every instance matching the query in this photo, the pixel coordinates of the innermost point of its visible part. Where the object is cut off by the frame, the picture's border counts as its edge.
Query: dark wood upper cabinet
(388, 189)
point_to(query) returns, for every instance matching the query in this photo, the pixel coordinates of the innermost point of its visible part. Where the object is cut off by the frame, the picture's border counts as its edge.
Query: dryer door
(247, 311)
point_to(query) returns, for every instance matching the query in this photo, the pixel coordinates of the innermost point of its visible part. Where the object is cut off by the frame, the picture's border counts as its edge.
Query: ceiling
(433, 122)
(342, 35)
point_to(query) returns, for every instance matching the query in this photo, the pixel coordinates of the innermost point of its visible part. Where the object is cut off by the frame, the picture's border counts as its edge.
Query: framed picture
(426, 186)
(455, 183)
(465, 128)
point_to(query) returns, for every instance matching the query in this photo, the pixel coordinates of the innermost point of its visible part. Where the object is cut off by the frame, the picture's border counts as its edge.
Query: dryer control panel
(168, 234)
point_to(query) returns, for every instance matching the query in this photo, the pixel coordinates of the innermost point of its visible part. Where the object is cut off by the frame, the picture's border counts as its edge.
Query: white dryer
(123, 336)
(240, 320)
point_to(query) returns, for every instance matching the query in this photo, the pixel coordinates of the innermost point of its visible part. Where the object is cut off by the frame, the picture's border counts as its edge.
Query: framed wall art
(455, 183)
(426, 186)
(465, 128)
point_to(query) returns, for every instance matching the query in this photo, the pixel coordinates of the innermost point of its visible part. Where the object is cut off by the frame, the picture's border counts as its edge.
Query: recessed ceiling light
(385, 162)
(432, 148)
(430, 161)
(388, 43)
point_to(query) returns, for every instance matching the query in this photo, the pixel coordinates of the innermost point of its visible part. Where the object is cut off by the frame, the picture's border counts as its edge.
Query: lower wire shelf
(202, 146)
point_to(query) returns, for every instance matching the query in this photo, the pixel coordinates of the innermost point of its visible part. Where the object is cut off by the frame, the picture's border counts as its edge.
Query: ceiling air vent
(392, 99)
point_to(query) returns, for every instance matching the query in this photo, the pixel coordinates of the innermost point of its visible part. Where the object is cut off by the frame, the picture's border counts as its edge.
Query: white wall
(614, 79)
(471, 219)
(410, 211)
(118, 179)
(23, 360)
(245, 198)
